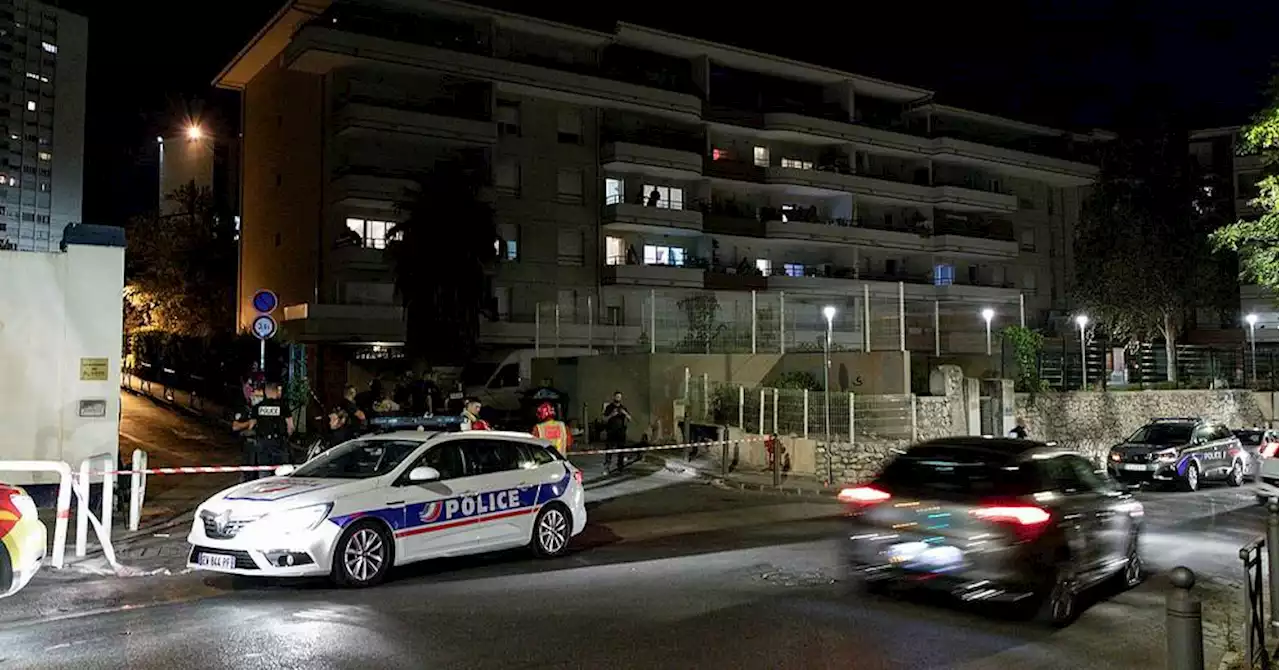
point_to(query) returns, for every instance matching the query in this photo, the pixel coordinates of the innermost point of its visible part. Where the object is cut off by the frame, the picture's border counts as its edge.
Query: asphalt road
(671, 573)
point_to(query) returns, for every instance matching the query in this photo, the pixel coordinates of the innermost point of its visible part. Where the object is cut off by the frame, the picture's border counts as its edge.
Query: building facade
(202, 158)
(42, 107)
(634, 170)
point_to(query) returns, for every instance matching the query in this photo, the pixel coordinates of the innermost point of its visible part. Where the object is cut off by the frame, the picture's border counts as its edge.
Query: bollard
(1184, 638)
(108, 494)
(82, 509)
(724, 454)
(1273, 565)
(136, 482)
(777, 462)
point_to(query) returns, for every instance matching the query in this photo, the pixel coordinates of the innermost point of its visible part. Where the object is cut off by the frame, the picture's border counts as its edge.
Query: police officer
(273, 424)
(471, 416)
(242, 425)
(552, 430)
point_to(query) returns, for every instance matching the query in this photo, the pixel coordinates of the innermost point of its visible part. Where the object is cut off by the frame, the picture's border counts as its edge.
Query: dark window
(1220, 432)
(486, 457)
(1088, 474)
(1250, 437)
(1162, 433)
(536, 455)
(957, 471)
(359, 459)
(446, 459)
(1062, 475)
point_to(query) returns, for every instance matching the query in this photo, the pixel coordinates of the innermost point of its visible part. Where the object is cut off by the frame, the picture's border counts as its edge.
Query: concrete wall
(63, 308)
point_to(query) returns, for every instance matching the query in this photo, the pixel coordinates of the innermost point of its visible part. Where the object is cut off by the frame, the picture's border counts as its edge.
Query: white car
(391, 499)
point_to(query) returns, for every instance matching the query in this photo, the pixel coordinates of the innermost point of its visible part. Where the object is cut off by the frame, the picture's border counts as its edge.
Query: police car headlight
(1167, 455)
(297, 520)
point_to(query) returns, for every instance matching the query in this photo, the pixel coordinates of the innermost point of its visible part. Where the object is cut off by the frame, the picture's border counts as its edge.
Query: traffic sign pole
(263, 327)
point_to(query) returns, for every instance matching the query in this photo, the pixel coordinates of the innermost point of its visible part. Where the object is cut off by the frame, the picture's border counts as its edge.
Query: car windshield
(1251, 438)
(359, 459)
(1162, 433)
(958, 472)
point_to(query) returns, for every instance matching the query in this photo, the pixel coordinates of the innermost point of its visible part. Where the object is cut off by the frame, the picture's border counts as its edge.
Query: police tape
(688, 445)
(191, 470)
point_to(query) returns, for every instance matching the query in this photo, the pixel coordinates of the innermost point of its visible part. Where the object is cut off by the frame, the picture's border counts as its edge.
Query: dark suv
(1179, 450)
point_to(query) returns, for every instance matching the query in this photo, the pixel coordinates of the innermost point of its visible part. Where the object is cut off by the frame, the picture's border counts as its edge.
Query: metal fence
(802, 412)
(760, 321)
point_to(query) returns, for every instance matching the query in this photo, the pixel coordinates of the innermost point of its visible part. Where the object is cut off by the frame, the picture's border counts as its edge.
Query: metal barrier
(1255, 628)
(83, 484)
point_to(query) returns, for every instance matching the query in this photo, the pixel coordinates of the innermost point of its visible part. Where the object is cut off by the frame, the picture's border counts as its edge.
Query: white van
(497, 381)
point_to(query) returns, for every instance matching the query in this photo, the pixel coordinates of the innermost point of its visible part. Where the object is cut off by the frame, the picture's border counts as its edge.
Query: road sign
(264, 327)
(265, 301)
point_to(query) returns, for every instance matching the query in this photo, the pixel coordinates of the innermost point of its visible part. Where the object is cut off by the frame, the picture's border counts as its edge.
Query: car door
(496, 507)
(1077, 505)
(1112, 523)
(429, 528)
(1227, 448)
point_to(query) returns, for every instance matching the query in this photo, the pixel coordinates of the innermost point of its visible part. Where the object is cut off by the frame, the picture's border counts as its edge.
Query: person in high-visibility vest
(551, 429)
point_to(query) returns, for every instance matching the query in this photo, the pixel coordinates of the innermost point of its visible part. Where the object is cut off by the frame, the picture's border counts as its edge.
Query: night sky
(1069, 63)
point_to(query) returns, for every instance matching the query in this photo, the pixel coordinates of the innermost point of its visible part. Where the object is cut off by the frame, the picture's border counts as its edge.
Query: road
(670, 573)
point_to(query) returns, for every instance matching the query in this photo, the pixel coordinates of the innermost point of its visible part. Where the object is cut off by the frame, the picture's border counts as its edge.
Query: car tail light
(1270, 449)
(863, 495)
(577, 476)
(1027, 520)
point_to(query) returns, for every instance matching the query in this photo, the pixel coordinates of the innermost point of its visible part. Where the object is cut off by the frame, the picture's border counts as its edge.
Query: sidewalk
(745, 479)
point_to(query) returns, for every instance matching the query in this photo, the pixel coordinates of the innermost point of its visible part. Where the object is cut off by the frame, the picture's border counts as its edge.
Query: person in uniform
(273, 424)
(616, 417)
(471, 416)
(553, 430)
(242, 425)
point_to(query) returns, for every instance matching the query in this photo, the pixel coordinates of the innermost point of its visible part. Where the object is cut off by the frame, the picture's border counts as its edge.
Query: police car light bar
(446, 424)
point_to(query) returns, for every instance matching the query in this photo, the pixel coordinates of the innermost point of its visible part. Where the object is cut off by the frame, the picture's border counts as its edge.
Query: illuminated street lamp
(830, 312)
(1083, 321)
(1252, 320)
(987, 315)
(195, 133)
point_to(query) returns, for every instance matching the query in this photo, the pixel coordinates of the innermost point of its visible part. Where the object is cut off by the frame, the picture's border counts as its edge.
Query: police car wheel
(1236, 477)
(1191, 480)
(551, 531)
(363, 555)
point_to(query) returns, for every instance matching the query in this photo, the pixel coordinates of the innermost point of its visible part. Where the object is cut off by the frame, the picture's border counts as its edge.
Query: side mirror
(285, 470)
(423, 474)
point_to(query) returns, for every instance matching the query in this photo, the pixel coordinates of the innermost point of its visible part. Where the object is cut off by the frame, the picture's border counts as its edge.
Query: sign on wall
(93, 369)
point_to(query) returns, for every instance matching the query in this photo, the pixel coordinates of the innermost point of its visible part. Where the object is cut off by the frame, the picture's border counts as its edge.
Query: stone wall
(1092, 422)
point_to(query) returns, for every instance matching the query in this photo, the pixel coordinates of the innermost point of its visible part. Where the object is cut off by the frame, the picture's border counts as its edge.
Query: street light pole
(987, 315)
(1252, 320)
(1083, 321)
(830, 312)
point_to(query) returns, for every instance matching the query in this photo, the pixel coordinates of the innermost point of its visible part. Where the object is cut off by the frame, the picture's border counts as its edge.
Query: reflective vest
(556, 433)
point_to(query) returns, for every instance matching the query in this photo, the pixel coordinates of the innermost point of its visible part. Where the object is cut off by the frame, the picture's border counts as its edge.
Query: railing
(656, 137)
(1255, 622)
(848, 418)
(475, 110)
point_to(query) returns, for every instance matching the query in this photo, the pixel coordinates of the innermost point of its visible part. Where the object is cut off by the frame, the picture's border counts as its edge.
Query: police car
(390, 499)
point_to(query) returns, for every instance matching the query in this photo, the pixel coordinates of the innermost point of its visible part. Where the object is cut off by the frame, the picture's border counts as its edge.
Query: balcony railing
(990, 229)
(462, 108)
(656, 137)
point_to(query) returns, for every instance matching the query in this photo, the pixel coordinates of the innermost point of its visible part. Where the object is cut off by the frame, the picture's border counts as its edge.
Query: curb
(823, 494)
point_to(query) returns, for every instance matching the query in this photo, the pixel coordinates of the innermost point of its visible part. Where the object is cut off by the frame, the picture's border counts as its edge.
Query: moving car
(1179, 450)
(1260, 442)
(1001, 520)
(391, 499)
(22, 540)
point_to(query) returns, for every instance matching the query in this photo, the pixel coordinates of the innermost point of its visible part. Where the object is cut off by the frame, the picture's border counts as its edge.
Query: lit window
(373, 234)
(719, 154)
(793, 269)
(51, 48)
(615, 251)
(569, 184)
(797, 164)
(656, 255)
(45, 156)
(32, 75)
(764, 266)
(762, 156)
(614, 191)
(944, 275)
(507, 246)
(31, 105)
(789, 212)
(669, 197)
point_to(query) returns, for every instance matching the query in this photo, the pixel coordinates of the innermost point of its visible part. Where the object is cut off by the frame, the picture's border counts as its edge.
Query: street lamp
(987, 315)
(194, 132)
(830, 312)
(1083, 321)
(1252, 320)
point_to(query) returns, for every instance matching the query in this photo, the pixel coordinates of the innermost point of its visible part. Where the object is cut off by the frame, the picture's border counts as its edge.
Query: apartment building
(630, 165)
(42, 102)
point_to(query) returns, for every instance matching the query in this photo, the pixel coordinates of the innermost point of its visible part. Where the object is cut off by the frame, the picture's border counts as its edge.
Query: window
(507, 246)
(994, 185)
(1061, 475)
(51, 48)
(615, 251)
(797, 164)
(373, 234)
(569, 185)
(614, 191)
(658, 255)
(46, 156)
(506, 176)
(507, 114)
(789, 212)
(569, 126)
(793, 269)
(764, 266)
(502, 302)
(488, 457)
(44, 186)
(720, 154)
(445, 458)
(761, 156)
(944, 275)
(569, 247)
(359, 459)
(31, 105)
(667, 197)
(1029, 281)
(891, 266)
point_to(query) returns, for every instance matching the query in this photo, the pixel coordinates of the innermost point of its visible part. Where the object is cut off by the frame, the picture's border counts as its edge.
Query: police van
(390, 499)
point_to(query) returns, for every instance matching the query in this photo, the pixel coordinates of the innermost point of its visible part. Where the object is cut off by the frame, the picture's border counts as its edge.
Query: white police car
(390, 499)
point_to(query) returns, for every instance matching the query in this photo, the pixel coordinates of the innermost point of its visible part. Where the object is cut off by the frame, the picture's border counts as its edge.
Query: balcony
(353, 188)
(311, 322)
(735, 279)
(734, 170)
(624, 216)
(829, 279)
(653, 275)
(985, 238)
(978, 293)
(447, 123)
(317, 48)
(355, 257)
(629, 157)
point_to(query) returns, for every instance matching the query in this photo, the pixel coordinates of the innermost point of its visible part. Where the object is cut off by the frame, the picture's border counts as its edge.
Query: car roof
(428, 435)
(1005, 446)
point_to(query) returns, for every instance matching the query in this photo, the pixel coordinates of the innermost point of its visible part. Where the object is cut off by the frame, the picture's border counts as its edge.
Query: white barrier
(83, 484)
(138, 487)
(64, 499)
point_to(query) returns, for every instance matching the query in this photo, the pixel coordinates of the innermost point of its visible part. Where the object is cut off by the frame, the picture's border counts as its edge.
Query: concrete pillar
(1000, 392)
(972, 407)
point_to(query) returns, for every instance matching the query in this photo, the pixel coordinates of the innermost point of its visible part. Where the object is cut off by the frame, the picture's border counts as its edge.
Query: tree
(441, 254)
(1141, 262)
(1254, 240)
(181, 269)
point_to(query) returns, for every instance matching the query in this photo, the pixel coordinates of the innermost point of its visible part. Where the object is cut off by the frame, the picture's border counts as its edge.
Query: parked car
(1179, 450)
(1002, 520)
(22, 539)
(1259, 442)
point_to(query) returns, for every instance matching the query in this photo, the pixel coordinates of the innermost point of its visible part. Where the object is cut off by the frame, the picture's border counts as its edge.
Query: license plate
(1134, 466)
(221, 561)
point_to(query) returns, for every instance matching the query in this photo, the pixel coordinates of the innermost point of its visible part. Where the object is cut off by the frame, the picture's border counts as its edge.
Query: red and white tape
(633, 450)
(200, 469)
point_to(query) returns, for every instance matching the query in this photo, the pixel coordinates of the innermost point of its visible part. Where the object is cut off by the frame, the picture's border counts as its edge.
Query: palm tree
(441, 252)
